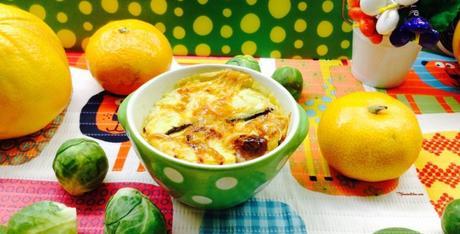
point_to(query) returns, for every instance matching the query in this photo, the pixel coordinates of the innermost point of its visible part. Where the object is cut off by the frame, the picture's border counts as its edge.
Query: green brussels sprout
(3, 229)
(291, 79)
(130, 211)
(396, 230)
(244, 61)
(80, 165)
(44, 217)
(450, 219)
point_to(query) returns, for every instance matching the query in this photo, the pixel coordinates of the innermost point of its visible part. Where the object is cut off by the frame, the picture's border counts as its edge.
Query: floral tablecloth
(306, 197)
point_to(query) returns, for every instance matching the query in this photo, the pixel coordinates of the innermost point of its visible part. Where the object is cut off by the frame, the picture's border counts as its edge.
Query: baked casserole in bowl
(213, 135)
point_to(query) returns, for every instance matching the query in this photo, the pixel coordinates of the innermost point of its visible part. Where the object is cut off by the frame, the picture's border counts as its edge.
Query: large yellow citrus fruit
(456, 42)
(35, 84)
(369, 136)
(122, 55)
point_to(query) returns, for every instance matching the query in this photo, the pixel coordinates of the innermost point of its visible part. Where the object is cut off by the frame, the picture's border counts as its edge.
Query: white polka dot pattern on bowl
(202, 200)
(226, 183)
(173, 175)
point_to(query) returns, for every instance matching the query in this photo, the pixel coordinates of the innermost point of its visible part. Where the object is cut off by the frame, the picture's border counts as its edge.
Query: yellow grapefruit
(369, 136)
(122, 55)
(35, 84)
(456, 42)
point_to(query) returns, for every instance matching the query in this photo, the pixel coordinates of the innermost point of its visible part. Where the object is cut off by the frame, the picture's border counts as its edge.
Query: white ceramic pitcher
(381, 65)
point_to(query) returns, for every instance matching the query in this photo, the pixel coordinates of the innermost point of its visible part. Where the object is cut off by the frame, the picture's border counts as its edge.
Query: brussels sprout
(450, 219)
(396, 230)
(44, 217)
(130, 211)
(291, 79)
(3, 229)
(80, 165)
(244, 61)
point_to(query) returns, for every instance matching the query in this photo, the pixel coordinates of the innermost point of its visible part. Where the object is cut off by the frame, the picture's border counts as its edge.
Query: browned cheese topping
(221, 117)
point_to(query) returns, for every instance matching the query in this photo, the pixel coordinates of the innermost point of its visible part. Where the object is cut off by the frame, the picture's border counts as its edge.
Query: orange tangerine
(122, 55)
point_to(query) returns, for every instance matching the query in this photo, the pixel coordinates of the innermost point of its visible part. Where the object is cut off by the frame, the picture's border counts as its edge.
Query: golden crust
(201, 119)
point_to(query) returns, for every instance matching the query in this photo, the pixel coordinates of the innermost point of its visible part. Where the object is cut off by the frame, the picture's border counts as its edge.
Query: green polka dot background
(269, 28)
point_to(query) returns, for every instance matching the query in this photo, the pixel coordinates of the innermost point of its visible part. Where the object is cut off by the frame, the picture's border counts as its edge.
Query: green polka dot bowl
(209, 186)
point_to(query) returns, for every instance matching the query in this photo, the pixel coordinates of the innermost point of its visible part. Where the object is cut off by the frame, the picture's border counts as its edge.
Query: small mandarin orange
(122, 55)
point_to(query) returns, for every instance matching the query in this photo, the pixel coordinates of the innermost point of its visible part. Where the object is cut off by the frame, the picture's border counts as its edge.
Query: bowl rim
(159, 79)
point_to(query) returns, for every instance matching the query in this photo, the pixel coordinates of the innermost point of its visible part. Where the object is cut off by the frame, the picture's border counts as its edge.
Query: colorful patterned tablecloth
(307, 195)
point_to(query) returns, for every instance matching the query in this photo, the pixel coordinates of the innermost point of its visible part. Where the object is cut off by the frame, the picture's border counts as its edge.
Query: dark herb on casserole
(177, 129)
(247, 118)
